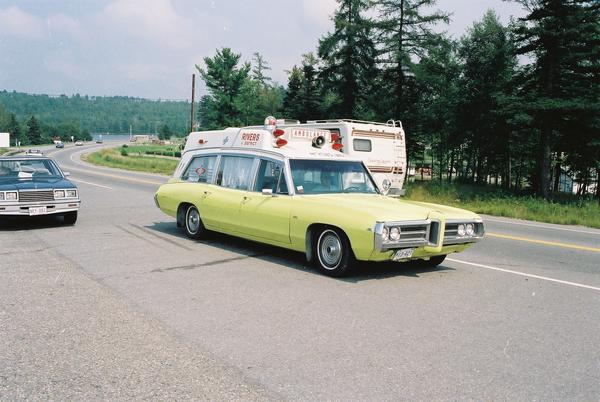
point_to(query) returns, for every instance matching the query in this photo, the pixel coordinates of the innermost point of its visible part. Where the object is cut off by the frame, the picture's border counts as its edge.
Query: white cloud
(16, 23)
(319, 11)
(154, 20)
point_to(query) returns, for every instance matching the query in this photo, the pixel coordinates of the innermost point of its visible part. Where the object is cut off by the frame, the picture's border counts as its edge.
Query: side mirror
(67, 174)
(267, 191)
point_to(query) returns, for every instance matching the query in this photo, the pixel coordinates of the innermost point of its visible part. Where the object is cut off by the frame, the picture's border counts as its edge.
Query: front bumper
(52, 207)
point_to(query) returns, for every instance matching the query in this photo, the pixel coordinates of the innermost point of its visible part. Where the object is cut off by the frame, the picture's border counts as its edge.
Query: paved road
(123, 305)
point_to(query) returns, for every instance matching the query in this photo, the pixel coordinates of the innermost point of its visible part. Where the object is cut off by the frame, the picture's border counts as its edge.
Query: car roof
(21, 157)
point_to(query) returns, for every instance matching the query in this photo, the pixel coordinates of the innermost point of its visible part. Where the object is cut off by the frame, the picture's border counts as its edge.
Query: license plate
(403, 254)
(37, 211)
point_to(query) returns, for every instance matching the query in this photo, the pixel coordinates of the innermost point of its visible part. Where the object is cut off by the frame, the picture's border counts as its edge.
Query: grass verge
(3, 151)
(585, 212)
(116, 159)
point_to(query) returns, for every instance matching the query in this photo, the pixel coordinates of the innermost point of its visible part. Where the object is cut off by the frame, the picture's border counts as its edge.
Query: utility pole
(193, 95)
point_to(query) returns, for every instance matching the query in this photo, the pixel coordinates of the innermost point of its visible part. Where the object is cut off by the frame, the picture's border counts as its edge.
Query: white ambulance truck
(381, 146)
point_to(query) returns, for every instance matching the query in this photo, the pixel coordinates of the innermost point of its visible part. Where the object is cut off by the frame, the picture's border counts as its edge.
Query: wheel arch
(181, 210)
(310, 239)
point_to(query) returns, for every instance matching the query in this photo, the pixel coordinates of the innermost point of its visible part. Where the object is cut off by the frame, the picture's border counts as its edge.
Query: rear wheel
(333, 253)
(70, 218)
(193, 226)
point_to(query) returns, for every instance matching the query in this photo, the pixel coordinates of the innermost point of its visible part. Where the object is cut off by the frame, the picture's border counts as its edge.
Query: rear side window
(361, 145)
(271, 176)
(201, 169)
(235, 172)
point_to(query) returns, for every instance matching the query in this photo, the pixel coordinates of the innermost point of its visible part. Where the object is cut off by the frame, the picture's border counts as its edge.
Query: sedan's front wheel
(334, 254)
(194, 228)
(70, 217)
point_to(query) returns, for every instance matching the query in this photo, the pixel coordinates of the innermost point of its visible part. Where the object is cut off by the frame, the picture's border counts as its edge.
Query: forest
(79, 115)
(514, 106)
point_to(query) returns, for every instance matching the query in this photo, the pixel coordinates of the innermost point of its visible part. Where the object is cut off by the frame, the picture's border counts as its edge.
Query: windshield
(28, 169)
(327, 177)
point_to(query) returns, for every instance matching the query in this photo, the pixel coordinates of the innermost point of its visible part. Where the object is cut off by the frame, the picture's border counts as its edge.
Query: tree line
(514, 105)
(78, 116)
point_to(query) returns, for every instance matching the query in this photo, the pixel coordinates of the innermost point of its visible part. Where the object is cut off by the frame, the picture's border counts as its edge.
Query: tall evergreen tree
(259, 70)
(488, 66)
(349, 56)
(34, 133)
(14, 128)
(404, 32)
(309, 91)
(291, 102)
(563, 82)
(224, 79)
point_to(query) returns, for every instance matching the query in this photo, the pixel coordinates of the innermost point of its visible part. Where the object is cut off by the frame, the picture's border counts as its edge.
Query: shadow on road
(15, 223)
(295, 260)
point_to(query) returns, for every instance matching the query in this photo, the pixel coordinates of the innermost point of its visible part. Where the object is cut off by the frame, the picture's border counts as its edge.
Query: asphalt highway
(123, 306)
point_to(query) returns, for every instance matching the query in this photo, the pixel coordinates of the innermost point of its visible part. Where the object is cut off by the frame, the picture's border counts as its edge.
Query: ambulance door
(221, 205)
(266, 214)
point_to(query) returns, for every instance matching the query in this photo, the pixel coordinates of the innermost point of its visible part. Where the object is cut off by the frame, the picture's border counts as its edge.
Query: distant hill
(99, 114)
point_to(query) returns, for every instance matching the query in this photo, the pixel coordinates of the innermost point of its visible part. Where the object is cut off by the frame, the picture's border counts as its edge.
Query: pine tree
(34, 134)
(14, 128)
(292, 108)
(225, 81)
(259, 70)
(349, 56)
(405, 33)
(562, 84)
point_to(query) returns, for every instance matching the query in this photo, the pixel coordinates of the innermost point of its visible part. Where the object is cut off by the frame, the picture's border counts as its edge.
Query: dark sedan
(31, 186)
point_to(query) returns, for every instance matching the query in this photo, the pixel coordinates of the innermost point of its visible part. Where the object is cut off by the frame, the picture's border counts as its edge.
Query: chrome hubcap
(330, 249)
(193, 220)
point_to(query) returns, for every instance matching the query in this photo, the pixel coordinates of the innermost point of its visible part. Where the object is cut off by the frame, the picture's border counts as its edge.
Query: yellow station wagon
(292, 187)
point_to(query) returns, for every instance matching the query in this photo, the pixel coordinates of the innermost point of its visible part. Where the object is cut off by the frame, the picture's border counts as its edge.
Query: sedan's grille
(414, 232)
(36, 196)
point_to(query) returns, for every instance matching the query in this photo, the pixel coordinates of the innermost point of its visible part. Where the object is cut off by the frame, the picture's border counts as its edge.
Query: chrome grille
(451, 233)
(36, 196)
(414, 232)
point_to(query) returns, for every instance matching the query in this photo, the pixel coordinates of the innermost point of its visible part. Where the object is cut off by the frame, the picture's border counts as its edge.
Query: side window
(270, 176)
(235, 172)
(362, 145)
(201, 169)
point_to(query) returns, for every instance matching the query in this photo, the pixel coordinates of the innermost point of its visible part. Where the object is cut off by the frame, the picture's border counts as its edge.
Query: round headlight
(461, 230)
(395, 233)
(470, 229)
(385, 233)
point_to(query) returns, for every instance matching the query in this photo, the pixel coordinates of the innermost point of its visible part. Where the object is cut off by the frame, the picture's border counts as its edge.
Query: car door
(222, 202)
(198, 177)
(267, 216)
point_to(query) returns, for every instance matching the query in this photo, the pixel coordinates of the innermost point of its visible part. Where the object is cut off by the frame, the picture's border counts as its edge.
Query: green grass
(492, 201)
(3, 151)
(153, 149)
(114, 158)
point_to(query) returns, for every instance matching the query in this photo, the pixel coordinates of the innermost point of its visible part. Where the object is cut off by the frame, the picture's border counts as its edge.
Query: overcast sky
(148, 48)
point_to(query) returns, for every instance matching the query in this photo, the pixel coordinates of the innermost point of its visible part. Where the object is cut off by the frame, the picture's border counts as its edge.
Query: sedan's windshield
(325, 177)
(27, 169)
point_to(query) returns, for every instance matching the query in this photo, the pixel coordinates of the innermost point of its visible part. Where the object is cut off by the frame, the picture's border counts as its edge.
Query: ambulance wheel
(193, 226)
(334, 256)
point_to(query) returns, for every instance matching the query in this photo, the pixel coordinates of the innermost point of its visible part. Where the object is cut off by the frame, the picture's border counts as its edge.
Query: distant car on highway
(98, 141)
(60, 145)
(78, 143)
(35, 152)
(36, 186)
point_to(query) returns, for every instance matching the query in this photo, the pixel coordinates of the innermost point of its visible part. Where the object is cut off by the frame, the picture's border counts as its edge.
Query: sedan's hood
(35, 184)
(382, 208)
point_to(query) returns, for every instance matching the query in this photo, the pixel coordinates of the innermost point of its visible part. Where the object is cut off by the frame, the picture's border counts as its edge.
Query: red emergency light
(337, 146)
(278, 132)
(280, 142)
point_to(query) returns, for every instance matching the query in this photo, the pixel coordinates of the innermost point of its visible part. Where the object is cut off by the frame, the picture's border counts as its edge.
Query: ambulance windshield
(327, 177)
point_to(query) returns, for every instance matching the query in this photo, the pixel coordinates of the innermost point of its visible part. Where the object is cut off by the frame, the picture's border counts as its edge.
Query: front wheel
(334, 254)
(70, 217)
(433, 261)
(193, 226)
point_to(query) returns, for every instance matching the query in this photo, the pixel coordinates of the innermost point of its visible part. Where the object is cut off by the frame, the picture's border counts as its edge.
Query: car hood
(382, 208)
(35, 184)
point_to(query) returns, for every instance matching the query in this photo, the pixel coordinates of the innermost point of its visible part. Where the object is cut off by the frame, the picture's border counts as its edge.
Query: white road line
(510, 222)
(544, 278)
(91, 184)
